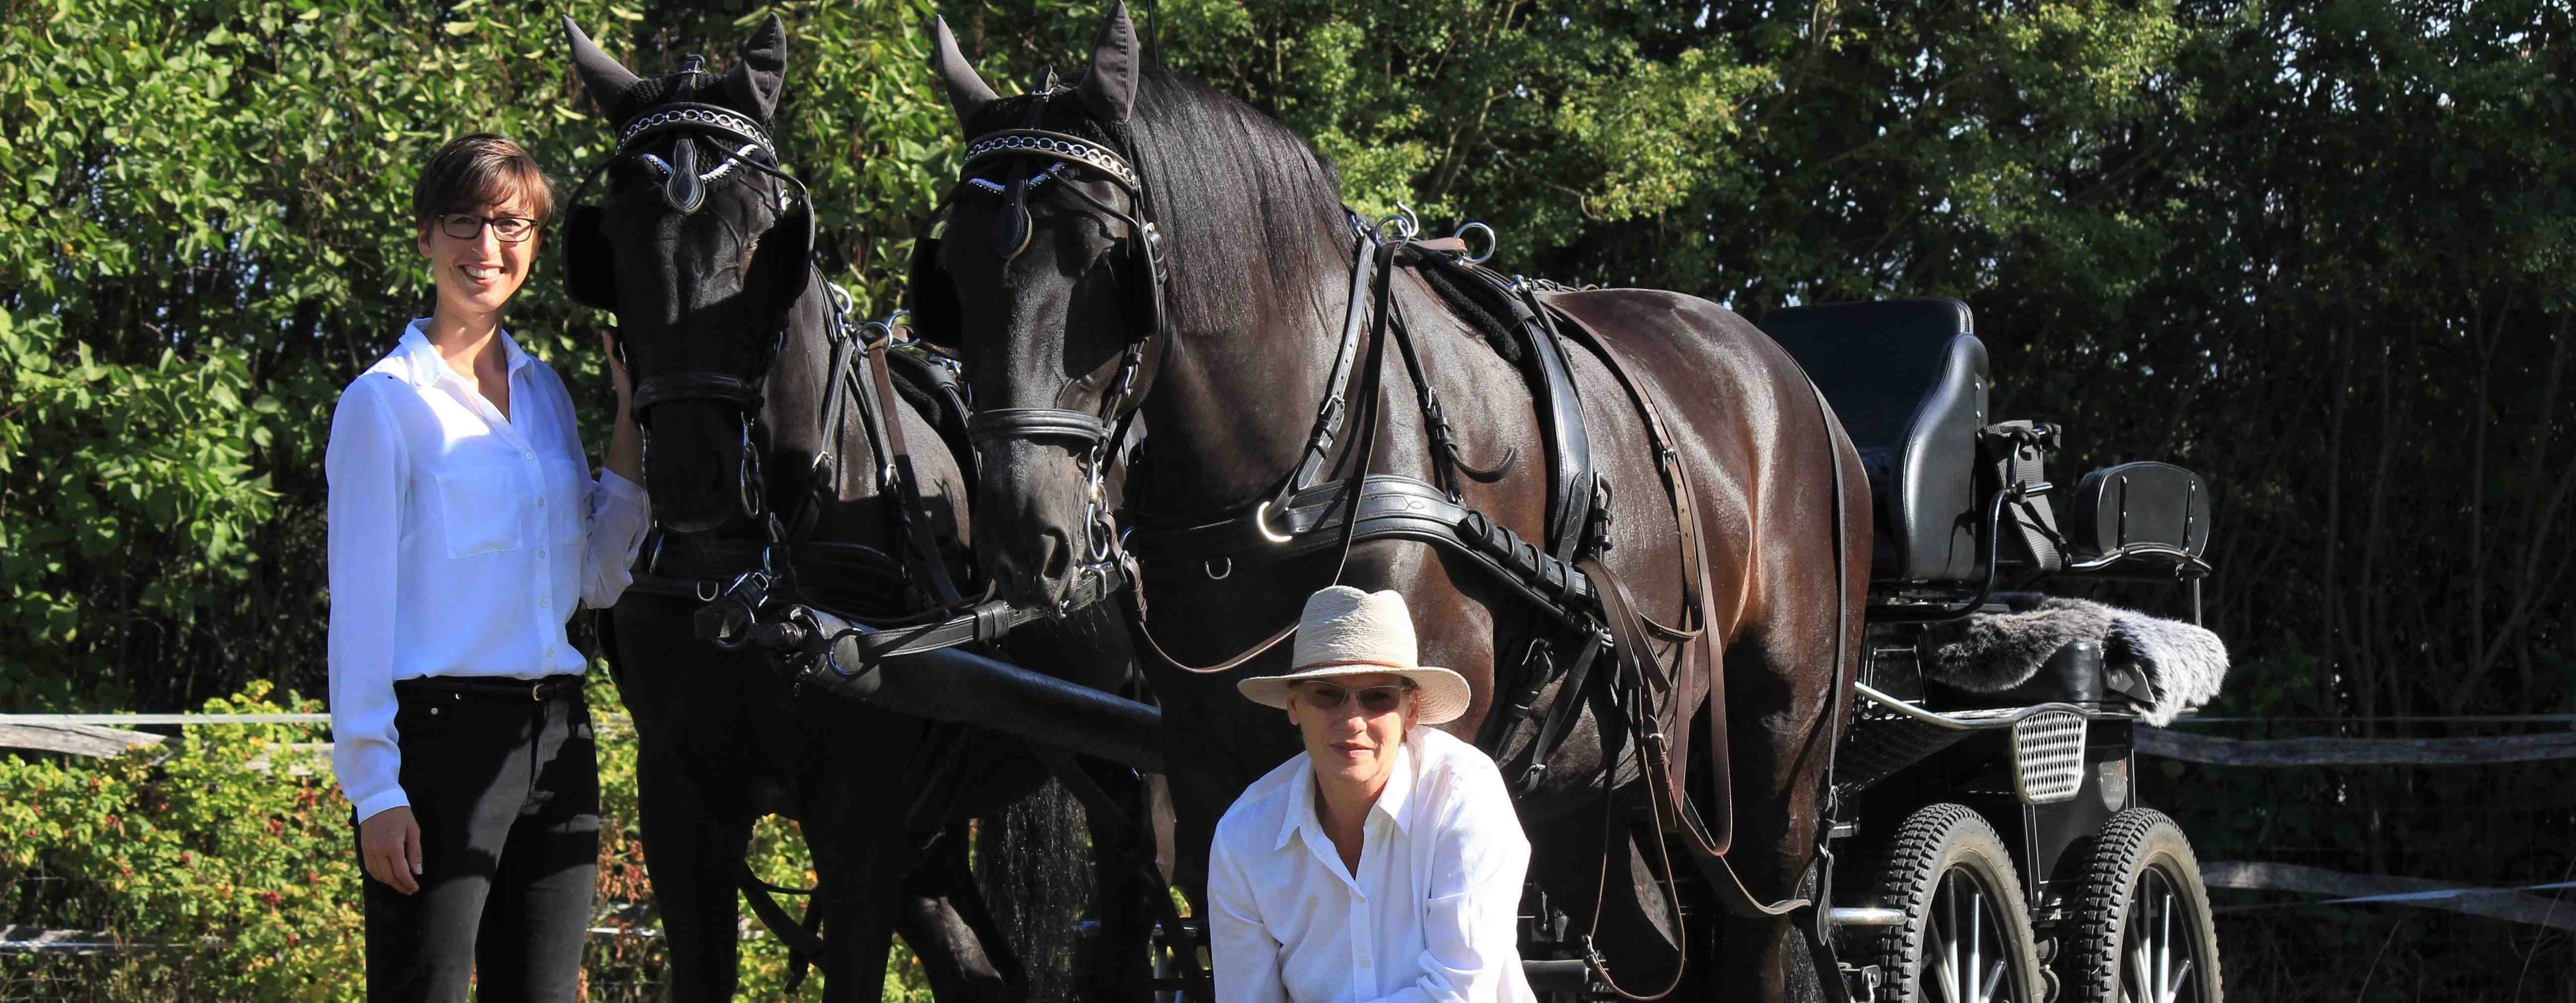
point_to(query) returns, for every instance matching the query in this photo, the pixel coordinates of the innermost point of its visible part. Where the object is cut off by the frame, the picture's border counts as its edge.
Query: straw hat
(1347, 632)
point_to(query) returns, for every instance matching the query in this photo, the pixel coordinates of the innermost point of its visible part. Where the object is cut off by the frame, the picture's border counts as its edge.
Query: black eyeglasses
(1376, 700)
(506, 229)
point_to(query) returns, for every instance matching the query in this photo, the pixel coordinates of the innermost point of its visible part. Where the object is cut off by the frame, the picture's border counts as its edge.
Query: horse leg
(947, 926)
(861, 855)
(1780, 745)
(1122, 851)
(691, 849)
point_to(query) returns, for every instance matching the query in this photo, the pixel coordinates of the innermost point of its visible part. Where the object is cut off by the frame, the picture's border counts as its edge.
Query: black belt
(491, 687)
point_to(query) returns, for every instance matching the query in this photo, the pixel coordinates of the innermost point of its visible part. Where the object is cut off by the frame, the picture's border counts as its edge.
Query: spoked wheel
(1966, 936)
(2142, 930)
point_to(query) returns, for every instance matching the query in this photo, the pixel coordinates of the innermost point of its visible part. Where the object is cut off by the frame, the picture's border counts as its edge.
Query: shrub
(223, 861)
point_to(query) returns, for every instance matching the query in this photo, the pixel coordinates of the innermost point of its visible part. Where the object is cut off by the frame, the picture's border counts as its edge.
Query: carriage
(1989, 834)
(1978, 836)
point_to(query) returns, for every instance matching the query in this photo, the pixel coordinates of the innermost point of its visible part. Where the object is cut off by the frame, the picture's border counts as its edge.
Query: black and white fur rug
(1991, 652)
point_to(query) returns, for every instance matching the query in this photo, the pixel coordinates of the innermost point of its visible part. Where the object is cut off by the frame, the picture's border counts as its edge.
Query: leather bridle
(1092, 433)
(684, 189)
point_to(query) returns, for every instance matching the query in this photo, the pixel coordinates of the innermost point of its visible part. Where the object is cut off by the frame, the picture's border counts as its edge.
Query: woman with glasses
(1384, 864)
(465, 526)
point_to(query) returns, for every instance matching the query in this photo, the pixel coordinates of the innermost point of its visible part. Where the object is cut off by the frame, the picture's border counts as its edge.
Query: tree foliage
(2319, 251)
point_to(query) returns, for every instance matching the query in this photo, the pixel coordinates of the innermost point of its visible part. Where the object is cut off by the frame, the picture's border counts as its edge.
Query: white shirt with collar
(460, 541)
(1430, 917)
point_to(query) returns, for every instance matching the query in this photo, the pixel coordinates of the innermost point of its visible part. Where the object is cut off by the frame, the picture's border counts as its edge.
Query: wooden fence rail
(2513, 904)
(2211, 749)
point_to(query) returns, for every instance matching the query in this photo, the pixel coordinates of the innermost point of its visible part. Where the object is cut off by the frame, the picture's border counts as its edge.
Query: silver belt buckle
(536, 691)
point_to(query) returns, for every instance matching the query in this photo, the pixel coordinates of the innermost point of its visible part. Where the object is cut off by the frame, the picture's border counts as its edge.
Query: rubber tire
(2131, 843)
(1934, 842)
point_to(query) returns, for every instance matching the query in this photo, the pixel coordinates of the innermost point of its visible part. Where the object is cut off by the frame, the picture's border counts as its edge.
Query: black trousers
(506, 792)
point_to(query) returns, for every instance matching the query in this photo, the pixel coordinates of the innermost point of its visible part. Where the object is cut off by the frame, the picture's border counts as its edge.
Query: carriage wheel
(2143, 932)
(1966, 936)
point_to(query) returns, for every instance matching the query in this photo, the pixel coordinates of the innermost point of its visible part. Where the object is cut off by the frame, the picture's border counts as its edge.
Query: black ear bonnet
(1028, 162)
(693, 131)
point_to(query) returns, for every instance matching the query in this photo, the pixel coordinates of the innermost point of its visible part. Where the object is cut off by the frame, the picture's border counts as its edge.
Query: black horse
(767, 450)
(1140, 243)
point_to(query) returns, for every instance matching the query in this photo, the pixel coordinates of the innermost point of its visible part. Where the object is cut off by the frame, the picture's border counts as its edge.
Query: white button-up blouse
(1430, 916)
(459, 542)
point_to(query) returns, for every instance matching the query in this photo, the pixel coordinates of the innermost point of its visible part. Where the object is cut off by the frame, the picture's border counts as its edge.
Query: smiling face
(477, 275)
(1349, 745)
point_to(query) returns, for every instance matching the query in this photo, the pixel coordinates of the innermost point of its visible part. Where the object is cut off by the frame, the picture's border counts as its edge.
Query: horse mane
(1245, 202)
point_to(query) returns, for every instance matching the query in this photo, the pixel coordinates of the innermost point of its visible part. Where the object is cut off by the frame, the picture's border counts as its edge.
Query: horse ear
(1109, 89)
(967, 92)
(761, 72)
(604, 77)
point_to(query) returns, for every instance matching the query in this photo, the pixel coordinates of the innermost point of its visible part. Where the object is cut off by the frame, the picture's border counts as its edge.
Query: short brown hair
(476, 170)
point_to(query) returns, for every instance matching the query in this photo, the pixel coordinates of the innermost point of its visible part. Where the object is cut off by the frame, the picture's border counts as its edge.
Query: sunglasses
(467, 226)
(1376, 700)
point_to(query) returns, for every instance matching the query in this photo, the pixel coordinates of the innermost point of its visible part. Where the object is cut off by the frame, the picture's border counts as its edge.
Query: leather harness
(1564, 578)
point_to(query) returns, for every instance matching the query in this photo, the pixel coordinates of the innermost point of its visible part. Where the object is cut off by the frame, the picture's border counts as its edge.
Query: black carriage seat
(2137, 515)
(1909, 380)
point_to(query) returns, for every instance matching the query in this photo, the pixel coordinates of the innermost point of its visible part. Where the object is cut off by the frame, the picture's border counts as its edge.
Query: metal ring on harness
(1213, 574)
(1261, 521)
(1493, 241)
(1101, 534)
(1402, 224)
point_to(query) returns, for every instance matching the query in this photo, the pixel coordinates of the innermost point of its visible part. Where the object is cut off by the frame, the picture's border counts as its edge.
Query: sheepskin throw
(1991, 652)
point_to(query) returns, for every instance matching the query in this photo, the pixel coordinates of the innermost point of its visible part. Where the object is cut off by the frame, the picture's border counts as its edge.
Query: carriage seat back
(2138, 513)
(1909, 380)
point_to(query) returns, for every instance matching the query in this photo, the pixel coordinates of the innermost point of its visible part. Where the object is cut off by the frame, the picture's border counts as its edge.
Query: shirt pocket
(481, 504)
(565, 501)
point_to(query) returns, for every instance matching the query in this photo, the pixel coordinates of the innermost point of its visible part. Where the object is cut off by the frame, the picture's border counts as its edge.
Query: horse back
(1748, 429)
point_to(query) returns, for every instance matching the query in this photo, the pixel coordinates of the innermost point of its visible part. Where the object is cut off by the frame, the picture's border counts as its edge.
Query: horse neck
(1232, 407)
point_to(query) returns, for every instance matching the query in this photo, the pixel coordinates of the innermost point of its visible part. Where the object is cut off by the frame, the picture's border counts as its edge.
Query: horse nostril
(1057, 553)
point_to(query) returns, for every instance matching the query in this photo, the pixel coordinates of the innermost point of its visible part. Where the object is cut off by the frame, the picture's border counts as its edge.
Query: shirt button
(541, 553)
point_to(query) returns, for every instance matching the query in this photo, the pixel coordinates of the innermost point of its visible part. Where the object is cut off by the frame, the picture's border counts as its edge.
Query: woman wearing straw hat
(1384, 864)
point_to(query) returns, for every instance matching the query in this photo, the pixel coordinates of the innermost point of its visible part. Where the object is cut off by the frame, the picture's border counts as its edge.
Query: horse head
(700, 248)
(1076, 273)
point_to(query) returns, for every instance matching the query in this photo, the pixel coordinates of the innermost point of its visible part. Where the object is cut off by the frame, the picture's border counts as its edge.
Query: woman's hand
(389, 847)
(616, 369)
(625, 445)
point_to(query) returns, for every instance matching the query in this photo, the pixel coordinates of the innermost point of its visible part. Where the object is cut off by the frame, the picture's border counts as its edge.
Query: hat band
(1398, 666)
